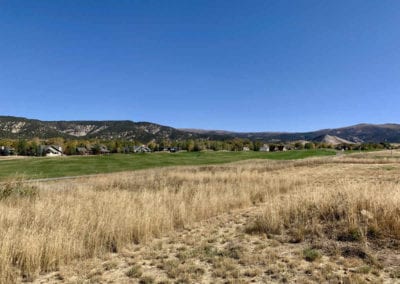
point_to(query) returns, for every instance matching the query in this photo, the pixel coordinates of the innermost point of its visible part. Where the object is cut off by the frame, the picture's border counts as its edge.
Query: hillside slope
(19, 127)
(16, 127)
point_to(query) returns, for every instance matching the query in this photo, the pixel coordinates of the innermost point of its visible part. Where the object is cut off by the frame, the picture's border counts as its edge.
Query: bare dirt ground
(5, 158)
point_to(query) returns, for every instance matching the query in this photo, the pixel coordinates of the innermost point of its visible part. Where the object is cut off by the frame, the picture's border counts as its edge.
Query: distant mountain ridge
(19, 127)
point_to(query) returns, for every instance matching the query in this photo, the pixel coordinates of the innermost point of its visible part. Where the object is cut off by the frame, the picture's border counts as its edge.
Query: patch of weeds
(310, 254)
(296, 235)
(364, 269)
(158, 245)
(183, 280)
(59, 276)
(17, 188)
(193, 270)
(212, 240)
(207, 252)
(373, 232)
(261, 247)
(95, 279)
(225, 267)
(95, 273)
(233, 251)
(163, 282)
(110, 265)
(388, 168)
(171, 268)
(395, 274)
(251, 272)
(349, 251)
(146, 280)
(134, 272)
(262, 226)
(362, 254)
(375, 272)
(183, 255)
(111, 245)
(350, 235)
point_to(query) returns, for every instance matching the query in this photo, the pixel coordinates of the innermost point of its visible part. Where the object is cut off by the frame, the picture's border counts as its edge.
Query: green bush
(311, 254)
(134, 272)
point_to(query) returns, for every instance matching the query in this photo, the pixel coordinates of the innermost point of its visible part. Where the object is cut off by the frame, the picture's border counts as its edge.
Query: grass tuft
(310, 254)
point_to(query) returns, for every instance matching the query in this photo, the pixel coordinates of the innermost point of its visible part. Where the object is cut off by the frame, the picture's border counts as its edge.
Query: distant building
(6, 151)
(82, 151)
(264, 148)
(104, 150)
(141, 149)
(51, 150)
(282, 148)
(246, 149)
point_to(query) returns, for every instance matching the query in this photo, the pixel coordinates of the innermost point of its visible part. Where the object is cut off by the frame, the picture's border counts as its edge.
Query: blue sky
(235, 65)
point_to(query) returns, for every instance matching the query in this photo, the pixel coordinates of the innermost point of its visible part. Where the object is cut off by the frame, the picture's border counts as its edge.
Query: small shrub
(354, 252)
(350, 235)
(364, 269)
(373, 232)
(297, 235)
(395, 274)
(311, 254)
(171, 268)
(134, 272)
(110, 265)
(264, 226)
(233, 251)
(146, 280)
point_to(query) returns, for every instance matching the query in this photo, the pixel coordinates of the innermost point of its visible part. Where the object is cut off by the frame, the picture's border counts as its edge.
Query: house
(289, 147)
(6, 151)
(51, 150)
(245, 148)
(82, 151)
(104, 150)
(282, 148)
(264, 148)
(141, 149)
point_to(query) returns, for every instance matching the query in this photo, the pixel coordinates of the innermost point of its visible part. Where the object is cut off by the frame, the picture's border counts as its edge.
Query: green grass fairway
(34, 168)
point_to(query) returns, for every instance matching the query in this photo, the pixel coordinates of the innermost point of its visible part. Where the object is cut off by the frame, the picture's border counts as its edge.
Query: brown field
(334, 220)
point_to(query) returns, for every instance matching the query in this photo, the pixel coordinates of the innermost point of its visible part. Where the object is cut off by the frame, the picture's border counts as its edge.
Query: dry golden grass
(64, 221)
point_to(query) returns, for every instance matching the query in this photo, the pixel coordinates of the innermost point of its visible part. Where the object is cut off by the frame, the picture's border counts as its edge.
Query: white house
(52, 150)
(141, 149)
(264, 148)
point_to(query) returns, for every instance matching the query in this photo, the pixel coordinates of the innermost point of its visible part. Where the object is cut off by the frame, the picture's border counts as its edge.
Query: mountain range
(18, 127)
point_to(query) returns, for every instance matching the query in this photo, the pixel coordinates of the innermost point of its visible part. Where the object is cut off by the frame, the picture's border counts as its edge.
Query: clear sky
(235, 65)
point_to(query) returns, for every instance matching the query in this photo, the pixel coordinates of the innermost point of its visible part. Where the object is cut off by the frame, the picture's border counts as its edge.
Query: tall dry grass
(350, 211)
(82, 218)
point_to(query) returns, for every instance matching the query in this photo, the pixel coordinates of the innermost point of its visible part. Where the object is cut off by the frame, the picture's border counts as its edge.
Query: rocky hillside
(18, 127)
(332, 140)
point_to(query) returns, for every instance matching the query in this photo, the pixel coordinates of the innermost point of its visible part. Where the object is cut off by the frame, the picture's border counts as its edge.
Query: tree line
(32, 147)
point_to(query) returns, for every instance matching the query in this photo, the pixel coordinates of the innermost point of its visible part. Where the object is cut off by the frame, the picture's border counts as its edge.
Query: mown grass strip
(76, 165)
